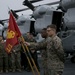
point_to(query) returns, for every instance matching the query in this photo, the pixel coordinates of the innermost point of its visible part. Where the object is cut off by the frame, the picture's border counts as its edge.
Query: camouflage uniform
(44, 57)
(5, 58)
(16, 58)
(55, 54)
(33, 54)
(9, 62)
(1, 56)
(42, 45)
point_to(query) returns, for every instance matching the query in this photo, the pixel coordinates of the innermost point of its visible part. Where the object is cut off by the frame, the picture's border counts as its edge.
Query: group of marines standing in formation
(51, 51)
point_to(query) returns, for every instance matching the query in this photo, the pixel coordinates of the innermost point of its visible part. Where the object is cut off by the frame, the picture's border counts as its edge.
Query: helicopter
(63, 17)
(67, 33)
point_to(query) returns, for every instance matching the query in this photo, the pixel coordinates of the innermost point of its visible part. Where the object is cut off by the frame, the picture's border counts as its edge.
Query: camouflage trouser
(9, 62)
(44, 65)
(16, 59)
(5, 62)
(55, 68)
(5, 59)
(1, 63)
(59, 73)
(46, 71)
(53, 72)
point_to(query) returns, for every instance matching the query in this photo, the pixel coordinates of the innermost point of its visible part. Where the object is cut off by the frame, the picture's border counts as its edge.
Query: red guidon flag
(13, 33)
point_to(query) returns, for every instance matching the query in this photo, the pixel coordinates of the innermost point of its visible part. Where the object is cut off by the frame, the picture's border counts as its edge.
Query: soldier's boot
(1, 71)
(6, 71)
(10, 70)
(13, 70)
(19, 70)
(28, 69)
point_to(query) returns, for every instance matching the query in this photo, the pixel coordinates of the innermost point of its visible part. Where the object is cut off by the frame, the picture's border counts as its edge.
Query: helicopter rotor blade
(14, 13)
(33, 1)
(20, 10)
(28, 4)
(57, 2)
(53, 3)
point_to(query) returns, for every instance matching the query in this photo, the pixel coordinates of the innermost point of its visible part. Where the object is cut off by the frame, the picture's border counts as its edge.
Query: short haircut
(52, 26)
(44, 29)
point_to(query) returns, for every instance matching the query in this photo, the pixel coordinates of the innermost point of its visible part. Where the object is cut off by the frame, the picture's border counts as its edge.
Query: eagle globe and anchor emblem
(10, 34)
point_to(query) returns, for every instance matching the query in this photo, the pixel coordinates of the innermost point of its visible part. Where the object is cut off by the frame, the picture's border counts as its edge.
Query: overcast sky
(15, 5)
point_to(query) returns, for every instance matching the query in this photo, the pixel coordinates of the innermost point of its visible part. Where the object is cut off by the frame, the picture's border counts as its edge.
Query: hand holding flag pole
(30, 55)
(27, 56)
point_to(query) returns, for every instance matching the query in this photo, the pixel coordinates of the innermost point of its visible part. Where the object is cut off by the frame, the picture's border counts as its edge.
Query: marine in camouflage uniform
(42, 46)
(16, 58)
(55, 61)
(44, 52)
(30, 38)
(3, 57)
(55, 52)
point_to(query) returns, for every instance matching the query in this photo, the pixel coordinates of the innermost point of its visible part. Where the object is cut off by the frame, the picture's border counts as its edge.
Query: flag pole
(28, 59)
(22, 39)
